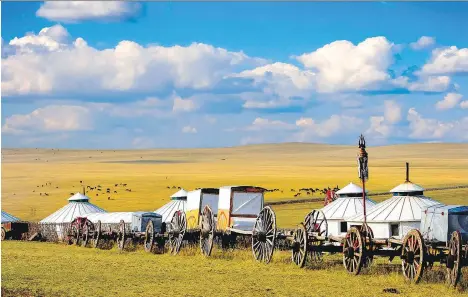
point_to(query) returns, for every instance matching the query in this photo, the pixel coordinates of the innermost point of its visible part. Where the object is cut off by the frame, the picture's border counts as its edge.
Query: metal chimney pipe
(407, 172)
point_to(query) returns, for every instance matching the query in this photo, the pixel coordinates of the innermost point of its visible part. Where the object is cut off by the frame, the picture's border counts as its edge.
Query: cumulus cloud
(51, 118)
(78, 11)
(392, 112)
(311, 129)
(341, 65)
(77, 67)
(426, 128)
(382, 127)
(183, 105)
(447, 61)
(265, 124)
(464, 104)
(450, 101)
(189, 129)
(422, 43)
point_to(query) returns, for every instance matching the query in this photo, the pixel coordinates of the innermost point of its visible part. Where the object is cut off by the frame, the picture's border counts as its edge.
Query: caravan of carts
(415, 228)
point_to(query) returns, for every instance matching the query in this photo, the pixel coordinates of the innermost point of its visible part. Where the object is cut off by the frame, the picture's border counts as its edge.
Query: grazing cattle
(292, 190)
(308, 193)
(124, 185)
(81, 181)
(178, 188)
(108, 198)
(72, 193)
(116, 185)
(46, 194)
(168, 187)
(34, 191)
(56, 187)
(97, 194)
(40, 194)
(115, 192)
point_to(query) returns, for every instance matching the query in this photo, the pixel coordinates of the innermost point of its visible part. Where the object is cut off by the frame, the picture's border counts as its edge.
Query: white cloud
(260, 124)
(51, 118)
(329, 127)
(341, 65)
(189, 129)
(446, 61)
(183, 105)
(423, 42)
(450, 101)
(49, 39)
(77, 11)
(77, 67)
(424, 128)
(379, 128)
(464, 104)
(392, 112)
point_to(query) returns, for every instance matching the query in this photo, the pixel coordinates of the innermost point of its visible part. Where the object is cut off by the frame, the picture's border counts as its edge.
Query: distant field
(149, 173)
(28, 270)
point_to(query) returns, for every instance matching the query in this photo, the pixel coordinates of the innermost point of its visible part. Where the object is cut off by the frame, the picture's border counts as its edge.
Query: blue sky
(171, 74)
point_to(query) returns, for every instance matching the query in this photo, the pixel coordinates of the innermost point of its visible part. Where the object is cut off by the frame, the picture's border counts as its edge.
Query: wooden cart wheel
(353, 251)
(85, 235)
(3, 233)
(264, 235)
(149, 236)
(75, 231)
(454, 259)
(299, 246)
(412, 255)
(368, 241)
(316, 225)
(121, 236)
(97, 234)
(177, 232)
(207, 226)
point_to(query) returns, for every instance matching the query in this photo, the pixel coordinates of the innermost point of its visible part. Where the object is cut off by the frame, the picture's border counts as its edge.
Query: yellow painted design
(192, 219)
(223, 219)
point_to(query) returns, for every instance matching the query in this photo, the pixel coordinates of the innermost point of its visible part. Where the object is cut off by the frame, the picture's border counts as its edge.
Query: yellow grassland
(148, 173)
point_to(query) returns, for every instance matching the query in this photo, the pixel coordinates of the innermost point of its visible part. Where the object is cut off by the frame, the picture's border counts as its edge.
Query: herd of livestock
(415, 228)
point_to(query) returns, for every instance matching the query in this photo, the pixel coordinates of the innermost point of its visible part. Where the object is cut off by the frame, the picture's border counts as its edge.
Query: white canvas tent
(396, 216)
(6, 218)
(239, 206)
(348, 204)
(178, 202)
(78, 206)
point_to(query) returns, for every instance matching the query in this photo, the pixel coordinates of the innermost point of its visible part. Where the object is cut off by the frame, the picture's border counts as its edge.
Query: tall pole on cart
(363, 172)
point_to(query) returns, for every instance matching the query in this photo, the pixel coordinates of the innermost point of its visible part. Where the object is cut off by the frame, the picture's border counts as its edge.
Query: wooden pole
(407, 172)
(364, 200)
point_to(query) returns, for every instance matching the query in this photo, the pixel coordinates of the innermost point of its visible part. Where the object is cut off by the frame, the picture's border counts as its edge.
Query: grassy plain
(42, 269)
(27, 270)
(149, 173)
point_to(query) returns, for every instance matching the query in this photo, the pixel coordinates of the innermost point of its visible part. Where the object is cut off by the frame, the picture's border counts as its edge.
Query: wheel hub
(296, 246)
(349, 252)
(261, 236)
(410, 257)
(450, 261)
(205, 234)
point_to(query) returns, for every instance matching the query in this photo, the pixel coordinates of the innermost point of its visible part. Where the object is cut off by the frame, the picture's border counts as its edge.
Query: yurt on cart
(178, 202)
(348, 204)
(395, 217)
(78, 206)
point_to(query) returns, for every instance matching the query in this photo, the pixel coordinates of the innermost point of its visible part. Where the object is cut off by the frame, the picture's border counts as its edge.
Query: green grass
(44, 269)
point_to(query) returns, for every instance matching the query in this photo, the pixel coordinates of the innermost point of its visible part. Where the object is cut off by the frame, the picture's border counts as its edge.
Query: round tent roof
(180, 194)
(407, 187)
(6, 218)
(77, 206)
(347, 206)
(167, 211)
(350, 189)
(78, 197)
(397, 209)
